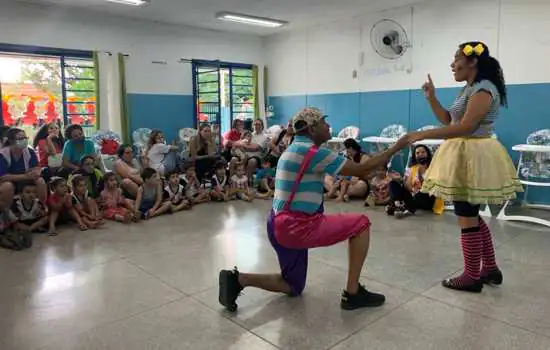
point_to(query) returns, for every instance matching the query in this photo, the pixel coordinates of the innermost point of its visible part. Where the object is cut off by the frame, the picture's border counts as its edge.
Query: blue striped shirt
(309, 195)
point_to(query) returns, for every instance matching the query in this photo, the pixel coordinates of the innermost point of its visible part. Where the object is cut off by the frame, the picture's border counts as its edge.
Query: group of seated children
(224, 187)
(89, 197)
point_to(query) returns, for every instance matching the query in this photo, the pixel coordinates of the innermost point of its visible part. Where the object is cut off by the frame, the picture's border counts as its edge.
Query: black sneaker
(363, 298)
(229, 289)
(492, 278)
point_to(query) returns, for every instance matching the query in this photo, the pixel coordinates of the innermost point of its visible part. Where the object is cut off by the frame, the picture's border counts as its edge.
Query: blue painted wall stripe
(372, 111)
(168, 113)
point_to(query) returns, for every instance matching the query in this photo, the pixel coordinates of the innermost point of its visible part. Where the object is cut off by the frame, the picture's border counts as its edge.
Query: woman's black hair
(414, 161)
(147, 173)
(42, 134)
(10, 136)
(122, 148)
(3, 130)
(488, 68)
(354, 145)
(69, 130)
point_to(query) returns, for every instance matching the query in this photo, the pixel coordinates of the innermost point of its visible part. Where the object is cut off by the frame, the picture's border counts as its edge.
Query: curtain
(97, 89)
(266, 95)
(256, 94)
(109, 93)
(124, 116)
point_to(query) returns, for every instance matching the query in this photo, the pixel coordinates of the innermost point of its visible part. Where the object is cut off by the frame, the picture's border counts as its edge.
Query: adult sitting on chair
(406, 197)
(48, 143)
(231, 137)
(19, 163)
(76, 147)
(280, 143)
(128, 169)
(202, 151)
(253, 149)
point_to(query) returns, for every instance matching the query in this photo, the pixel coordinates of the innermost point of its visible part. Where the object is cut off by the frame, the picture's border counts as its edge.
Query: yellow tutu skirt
(474, 170)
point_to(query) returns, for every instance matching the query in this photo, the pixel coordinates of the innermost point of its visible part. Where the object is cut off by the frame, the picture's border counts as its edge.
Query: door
(207, 95)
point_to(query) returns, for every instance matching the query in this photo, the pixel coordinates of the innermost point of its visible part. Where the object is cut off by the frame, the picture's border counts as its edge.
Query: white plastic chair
(273, 131)
(107, 160)
(393, 131)
(185, 136)
(537, 164)
(349, 132)
(141, 137)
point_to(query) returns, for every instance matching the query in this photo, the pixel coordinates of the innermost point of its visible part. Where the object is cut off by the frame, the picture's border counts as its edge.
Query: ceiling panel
(201, 13)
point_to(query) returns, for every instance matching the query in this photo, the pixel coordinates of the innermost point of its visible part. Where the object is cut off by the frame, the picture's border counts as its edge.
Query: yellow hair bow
(469, 50)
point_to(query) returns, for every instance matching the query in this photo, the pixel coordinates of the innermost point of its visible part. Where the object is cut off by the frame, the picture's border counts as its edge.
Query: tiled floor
(154, 286)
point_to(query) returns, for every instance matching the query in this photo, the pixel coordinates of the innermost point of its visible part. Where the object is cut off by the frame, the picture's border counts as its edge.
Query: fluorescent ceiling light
(131, 2)
(252, 20)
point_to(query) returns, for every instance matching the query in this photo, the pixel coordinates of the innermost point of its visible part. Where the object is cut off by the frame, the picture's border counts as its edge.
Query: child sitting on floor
(92, 175)
(239, 184)
(115, 206)
(61, 206)
(265, 178)
(29, 210)
(193, 189)
(175, 193)
(220, 184)
(379, 185)
(339, 188)
(85, 206)
(11, 236)
(149, 201)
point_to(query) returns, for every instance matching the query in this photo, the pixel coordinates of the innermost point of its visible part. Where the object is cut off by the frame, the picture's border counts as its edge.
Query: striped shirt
(309, 195)
(458, 108)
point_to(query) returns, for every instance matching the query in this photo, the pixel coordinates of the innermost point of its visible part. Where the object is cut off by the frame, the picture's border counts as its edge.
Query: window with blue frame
(223, 92)
(41, 85)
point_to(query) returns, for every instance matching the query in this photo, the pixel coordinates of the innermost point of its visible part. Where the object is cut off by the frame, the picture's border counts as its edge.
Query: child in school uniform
(220, 184)
(175, 193)
(193, 189)
(29, 210)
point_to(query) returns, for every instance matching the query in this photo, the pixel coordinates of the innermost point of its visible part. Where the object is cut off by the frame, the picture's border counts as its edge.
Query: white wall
(143, 41)
(323, 59)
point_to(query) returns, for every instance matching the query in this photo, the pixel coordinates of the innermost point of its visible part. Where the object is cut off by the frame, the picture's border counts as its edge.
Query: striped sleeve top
(458, 108)
(309, 196)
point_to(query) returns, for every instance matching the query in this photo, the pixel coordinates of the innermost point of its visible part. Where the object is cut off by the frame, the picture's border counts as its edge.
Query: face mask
(21, 144)
(422, 161)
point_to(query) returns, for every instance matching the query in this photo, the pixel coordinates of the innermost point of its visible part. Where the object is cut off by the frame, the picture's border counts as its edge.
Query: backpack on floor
(15, 240)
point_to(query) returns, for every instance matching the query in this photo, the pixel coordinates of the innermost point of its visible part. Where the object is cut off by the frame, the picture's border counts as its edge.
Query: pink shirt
(111, 200)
